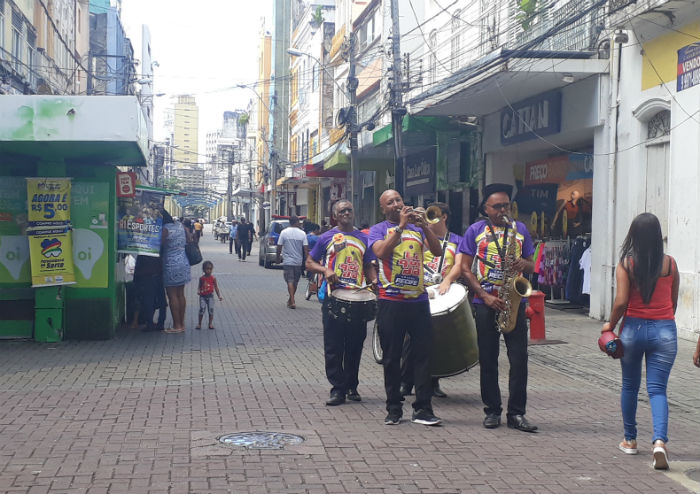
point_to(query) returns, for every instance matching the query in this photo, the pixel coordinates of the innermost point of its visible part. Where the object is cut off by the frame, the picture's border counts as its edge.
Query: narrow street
(142, 413)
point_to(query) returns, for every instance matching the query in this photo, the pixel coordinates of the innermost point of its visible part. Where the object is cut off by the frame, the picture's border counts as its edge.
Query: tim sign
(126, 184)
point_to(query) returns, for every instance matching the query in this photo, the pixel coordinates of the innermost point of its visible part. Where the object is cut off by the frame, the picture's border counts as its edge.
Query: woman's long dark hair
(644, 244)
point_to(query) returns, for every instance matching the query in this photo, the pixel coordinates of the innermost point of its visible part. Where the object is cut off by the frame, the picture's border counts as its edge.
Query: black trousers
(407, 367)
(244, 247)
(489, 348)
(342, 349)
(394, 320)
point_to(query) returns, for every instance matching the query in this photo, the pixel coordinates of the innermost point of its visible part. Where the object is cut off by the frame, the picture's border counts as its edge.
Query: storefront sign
(531, 118)
(90, 209)
(14, 245)
(558, 169)
(688, 67)
(49, 231)
(126, 184)
(420, 172)
(537, 198)
(140, 223)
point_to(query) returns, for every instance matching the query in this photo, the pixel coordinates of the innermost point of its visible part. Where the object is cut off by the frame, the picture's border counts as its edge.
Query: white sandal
(660, 456)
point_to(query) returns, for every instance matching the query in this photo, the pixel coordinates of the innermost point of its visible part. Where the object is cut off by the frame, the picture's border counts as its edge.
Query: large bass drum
(455, 348)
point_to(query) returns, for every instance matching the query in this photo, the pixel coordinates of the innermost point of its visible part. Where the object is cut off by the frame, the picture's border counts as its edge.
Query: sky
(202, 49)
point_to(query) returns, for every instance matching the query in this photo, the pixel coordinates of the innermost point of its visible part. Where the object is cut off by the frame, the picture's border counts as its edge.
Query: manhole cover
(693, 474)
(261, 440)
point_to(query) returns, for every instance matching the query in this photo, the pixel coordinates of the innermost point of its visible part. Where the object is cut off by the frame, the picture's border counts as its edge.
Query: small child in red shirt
(207, 287)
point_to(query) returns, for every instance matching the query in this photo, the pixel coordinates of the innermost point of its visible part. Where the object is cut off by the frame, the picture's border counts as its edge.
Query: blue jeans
(655, 340)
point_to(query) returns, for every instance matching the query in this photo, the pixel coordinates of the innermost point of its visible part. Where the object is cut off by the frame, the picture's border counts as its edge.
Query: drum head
(440, 304)
(353, 295)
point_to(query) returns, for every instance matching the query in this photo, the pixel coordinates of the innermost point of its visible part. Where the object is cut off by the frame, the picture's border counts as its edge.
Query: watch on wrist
(398, 229)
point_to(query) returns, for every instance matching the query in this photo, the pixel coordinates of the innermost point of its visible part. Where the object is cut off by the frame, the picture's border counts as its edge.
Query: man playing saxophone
(487, 242)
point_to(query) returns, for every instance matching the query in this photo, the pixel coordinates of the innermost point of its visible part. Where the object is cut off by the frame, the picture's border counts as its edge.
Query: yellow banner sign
(49, 200)
(51, 255)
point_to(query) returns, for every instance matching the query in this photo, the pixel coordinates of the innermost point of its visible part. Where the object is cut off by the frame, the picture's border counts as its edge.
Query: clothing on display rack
(574, 282)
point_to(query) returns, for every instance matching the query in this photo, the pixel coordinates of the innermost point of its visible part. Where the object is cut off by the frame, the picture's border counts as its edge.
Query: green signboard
(14, 246)
(89, 216)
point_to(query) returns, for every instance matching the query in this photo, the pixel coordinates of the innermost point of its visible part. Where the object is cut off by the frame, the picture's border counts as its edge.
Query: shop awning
(421, 129)
(503, 76)
(73, 129)
(339, 160)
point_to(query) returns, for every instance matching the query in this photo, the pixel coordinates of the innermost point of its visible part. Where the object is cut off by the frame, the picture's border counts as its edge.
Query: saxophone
(514, 288)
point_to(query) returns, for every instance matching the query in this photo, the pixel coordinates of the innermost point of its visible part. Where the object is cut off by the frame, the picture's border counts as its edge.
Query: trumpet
(431, 215)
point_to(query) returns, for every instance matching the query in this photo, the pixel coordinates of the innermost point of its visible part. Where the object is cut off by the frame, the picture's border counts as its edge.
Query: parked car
(222, 229)
(268, 242)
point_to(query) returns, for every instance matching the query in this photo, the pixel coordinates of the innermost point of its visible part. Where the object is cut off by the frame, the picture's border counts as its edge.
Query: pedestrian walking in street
(207, 287)
(647, 297)
(490, 241)
(245, 237)
(293, 247)
(348, 266)
(233, 239)
(197, 230)
(176, 269)
(403, 307)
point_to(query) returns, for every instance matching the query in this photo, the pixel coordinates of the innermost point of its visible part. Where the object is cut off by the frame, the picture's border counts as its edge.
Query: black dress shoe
(353, 395)
(520, 422)
(491, 421)
(438, 392)
(336, 399)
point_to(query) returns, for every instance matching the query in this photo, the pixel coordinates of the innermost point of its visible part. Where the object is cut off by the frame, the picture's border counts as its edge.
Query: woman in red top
(647, 295)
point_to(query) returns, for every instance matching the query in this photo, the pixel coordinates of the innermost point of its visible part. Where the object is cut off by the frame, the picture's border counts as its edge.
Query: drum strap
(442, 257)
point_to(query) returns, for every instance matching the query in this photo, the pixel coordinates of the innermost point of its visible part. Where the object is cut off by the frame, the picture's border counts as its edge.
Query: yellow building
(186, 132)
(263, 116)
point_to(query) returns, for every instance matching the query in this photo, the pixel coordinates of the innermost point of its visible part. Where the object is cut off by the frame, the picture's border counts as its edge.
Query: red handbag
(611, 344)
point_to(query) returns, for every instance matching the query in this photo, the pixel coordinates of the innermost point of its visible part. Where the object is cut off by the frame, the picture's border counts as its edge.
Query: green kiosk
(77, 142)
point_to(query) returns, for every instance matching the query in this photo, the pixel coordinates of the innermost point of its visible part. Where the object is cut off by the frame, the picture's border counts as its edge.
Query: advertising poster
(140, 223)
(51, 256)
(49, 201)
(89, 212)
(14, 246)
(49, 231)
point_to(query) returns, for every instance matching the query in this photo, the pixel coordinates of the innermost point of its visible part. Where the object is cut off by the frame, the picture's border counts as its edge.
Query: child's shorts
(206, 304)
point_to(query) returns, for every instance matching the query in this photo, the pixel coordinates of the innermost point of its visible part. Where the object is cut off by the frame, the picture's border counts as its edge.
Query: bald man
(398, 243)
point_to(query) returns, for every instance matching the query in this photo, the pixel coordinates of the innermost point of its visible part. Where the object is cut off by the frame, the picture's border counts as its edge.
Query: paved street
(142, 413)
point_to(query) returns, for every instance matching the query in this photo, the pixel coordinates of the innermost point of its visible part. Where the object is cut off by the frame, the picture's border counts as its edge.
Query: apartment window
(456, 41)
(2, 30)
(17, 26)
(315, 77)
(432, 56)
(31, 47)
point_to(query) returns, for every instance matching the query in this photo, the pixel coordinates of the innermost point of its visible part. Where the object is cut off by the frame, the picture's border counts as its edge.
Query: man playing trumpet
(403, 303)
(487, 242)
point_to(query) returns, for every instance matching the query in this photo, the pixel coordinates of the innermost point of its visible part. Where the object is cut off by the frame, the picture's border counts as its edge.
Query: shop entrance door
(658, 157)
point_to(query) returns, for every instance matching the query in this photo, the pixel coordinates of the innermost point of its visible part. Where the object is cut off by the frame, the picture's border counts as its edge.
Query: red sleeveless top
(660, 305)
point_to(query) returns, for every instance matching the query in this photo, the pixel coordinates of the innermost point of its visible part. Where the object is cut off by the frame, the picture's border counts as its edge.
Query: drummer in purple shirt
(348, 266)
(486, 241)
(403, 303)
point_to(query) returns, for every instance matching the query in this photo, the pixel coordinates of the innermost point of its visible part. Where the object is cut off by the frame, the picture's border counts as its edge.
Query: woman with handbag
(176, 269)
(647, 296)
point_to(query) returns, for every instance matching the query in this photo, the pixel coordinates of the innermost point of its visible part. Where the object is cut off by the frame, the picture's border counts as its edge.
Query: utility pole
(231, 158)
(397, 108)
(354, 165)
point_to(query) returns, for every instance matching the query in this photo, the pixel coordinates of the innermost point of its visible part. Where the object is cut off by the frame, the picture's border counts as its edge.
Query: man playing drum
(440, 270)
(486, 240)
(347, 266)
(403, 303)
